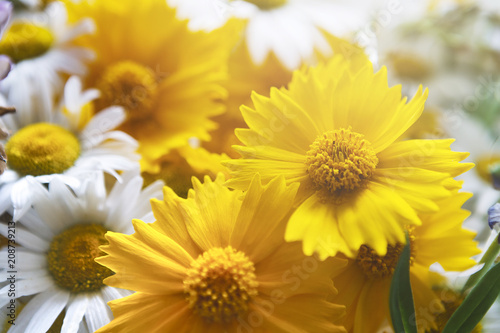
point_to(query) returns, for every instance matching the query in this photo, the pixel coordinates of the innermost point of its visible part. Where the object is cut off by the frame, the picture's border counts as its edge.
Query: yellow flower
(167, 77)
(217, 262)
(365, 283)
(245, 76)
(334, 131)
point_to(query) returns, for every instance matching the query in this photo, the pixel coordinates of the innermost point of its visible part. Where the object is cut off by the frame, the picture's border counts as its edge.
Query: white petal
(74, 314)
(21, 198)
(33, 222)
(25, 260)
(102, 122)
(25, 238)
(30, 310)
(98, 313)
(5, 197)
(85, 26)
(120, 212)
(43, 319)
(110, 293)
(30, 286)
(72, 182)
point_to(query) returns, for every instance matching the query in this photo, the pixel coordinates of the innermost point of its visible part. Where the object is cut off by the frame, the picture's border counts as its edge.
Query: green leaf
(476, 304)
(488, 259)
(401, 297)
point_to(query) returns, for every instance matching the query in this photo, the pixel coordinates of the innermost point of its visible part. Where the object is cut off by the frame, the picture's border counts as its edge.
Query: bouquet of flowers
(253, 166)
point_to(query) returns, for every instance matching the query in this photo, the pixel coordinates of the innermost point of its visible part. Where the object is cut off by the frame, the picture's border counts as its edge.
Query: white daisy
(291, 29)
(69, 141)
(57, 241)
(39, 44)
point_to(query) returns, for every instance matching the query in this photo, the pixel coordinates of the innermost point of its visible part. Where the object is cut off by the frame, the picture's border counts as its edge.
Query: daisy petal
(74, 313)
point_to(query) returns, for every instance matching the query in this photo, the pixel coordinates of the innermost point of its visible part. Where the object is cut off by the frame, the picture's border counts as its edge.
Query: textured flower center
(340, 160)
(409, 66)
(130, 85)
(24, 40)
(268, 4)
(42, 149)
(483, 165)
(451, 301)
(71, 258)
(375, 266)
(220, 283)
(379, 267)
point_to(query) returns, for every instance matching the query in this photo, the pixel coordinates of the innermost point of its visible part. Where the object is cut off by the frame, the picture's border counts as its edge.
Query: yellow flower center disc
(268, 4)
(25, 40)
(220, 283)
(483, 165)
(340, 160)
(71, 258)
(130, 85)
(42, 149)
(378, 267)
(375, 266)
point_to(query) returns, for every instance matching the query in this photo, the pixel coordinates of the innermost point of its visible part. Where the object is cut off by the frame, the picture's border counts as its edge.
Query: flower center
(483, 165)
(340, 160)
(42, 149)
(71, 258)
(409, 66)
(220, 283)
(130, 85)
(268, 4)
(451, 301)
(378, 267)
(24, 40)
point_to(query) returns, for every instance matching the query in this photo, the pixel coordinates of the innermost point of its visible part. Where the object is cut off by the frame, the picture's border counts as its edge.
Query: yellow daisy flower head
(334, 131)
(364, 285)
(245, 76)
(167, 77)
(217, 262)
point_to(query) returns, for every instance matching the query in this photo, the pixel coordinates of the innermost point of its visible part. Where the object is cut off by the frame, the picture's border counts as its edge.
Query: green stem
(488, 259)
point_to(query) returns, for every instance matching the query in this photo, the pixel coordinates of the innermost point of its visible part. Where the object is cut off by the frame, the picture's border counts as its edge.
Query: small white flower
(56, 243)
(69, 142)
(291, 29)
(39, 44)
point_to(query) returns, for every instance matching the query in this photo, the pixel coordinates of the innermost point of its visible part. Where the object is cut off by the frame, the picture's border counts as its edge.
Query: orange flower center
(378, 267)
(128, 84)
(220, 283)
(340, 160)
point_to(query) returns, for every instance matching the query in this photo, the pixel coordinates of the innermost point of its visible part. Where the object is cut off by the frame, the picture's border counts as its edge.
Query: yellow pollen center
(483, 165)
(42, 149)
(71, 258)
(409, 66)
(220, 283)
(130, 85)
(24, 40)
(268, 4)
(379, 267)
(340, 160)
(375, 266)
